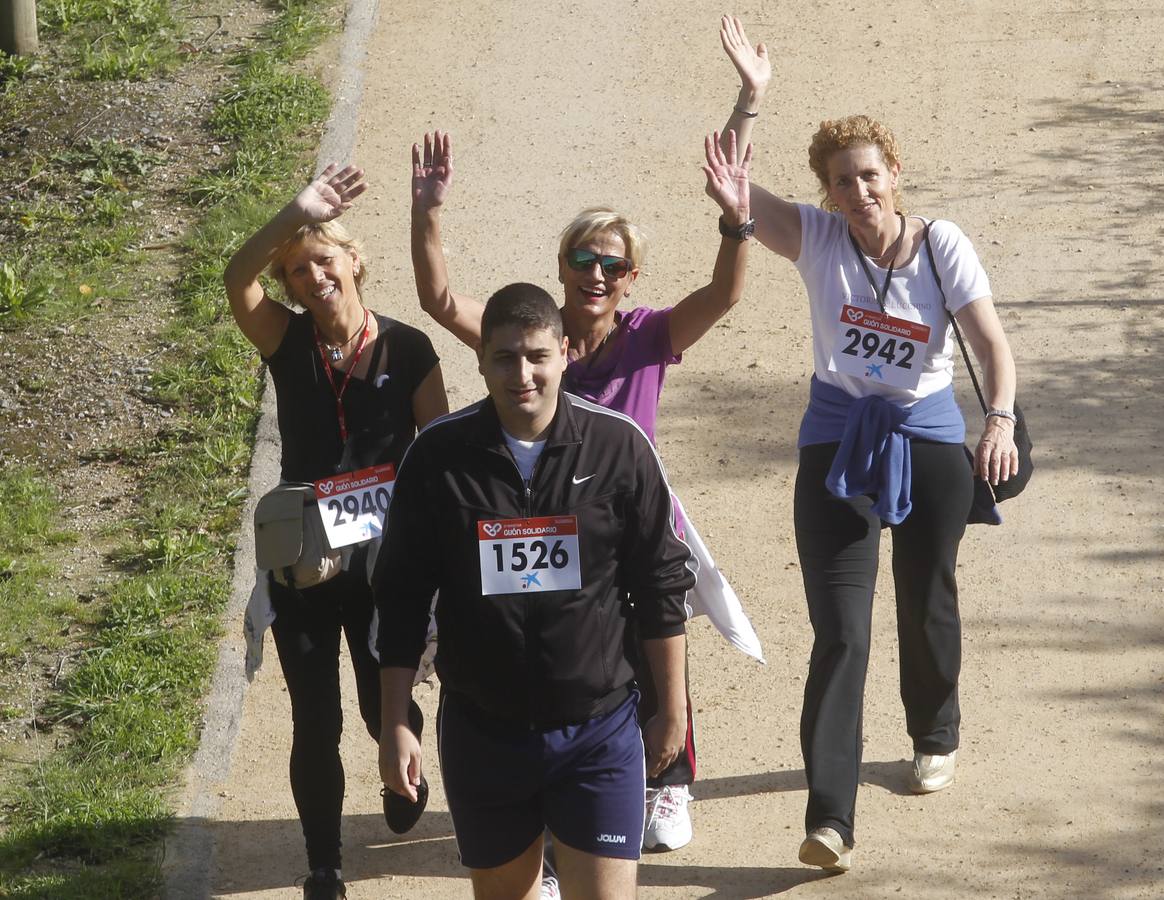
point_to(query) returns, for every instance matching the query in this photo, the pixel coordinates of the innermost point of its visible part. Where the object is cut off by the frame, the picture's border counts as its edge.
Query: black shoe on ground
(322, 884)
(401, 813)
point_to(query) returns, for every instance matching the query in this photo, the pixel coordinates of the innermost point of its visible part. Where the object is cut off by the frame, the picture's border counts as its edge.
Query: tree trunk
(18, 27)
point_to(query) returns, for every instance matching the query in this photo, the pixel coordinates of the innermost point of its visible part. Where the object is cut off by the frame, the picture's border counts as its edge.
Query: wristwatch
(740, 232)
(1002, 414)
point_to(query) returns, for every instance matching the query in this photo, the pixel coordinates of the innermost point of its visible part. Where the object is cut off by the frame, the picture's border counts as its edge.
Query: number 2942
(868, 344)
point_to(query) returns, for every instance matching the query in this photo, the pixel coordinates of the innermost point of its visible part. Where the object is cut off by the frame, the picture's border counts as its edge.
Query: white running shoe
(668, 823)
(550, 889)
(825, 849)
(932, 772)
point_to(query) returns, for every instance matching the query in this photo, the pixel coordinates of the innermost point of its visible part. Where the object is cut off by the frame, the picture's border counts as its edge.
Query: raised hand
(727, 177)
(432, 171)
(752, 64)
(330, 194)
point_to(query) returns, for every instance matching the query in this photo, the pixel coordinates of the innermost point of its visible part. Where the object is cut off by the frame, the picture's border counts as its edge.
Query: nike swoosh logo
(578, 480)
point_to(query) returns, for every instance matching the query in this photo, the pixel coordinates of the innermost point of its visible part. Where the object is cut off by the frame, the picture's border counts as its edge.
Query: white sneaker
(825, 849)
(931, 773)
(550, 889)
(668, 823)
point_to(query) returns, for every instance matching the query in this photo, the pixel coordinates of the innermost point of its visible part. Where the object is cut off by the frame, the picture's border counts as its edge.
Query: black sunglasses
(581, 260)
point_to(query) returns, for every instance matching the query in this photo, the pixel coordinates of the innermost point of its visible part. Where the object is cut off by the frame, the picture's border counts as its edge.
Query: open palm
(751, 62)
(432, 170)
(727, 175)
(332, 192)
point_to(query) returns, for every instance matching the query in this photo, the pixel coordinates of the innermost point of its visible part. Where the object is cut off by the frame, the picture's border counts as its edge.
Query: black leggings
(307, 633)
(838, 542)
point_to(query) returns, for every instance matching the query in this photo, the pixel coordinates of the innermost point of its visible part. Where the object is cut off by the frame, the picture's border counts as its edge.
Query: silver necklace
(336, 351)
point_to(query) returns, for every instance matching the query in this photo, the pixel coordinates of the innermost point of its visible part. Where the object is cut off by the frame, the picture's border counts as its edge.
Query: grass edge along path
(90, 819)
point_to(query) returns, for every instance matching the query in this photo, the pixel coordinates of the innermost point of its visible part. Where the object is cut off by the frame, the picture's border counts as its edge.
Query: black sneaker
(322, 884)
(401, 813)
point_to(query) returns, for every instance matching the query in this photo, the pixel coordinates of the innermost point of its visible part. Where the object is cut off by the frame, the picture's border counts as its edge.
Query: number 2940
(356, 506)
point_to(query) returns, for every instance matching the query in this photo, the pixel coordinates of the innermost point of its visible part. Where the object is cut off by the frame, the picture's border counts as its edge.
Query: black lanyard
(884, 292)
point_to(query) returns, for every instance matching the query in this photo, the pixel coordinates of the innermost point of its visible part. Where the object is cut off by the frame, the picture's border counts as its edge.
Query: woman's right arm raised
(755, 71)
(260, 318)
(432, 178)
(777, 223)
(777, 220)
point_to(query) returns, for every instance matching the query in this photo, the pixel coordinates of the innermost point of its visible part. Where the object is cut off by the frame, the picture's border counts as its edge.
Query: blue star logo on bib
(874, 369)
(529, 579)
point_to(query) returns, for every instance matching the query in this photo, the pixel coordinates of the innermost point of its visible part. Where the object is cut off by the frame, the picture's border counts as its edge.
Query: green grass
(83, 207)
(33, 604)
(33, 611)
(265, 117)
(29, 514)
(19, 296)
(299, 28)
(269, 103)
(14, 69)
(135, 877)
(87, 819)
(112, 40)
(131, 705)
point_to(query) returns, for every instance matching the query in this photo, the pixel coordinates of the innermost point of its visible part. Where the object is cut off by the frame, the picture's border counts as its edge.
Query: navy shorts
(505, 786)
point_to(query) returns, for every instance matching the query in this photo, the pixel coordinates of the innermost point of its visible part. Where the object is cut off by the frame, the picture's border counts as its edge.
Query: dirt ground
(1038, 129)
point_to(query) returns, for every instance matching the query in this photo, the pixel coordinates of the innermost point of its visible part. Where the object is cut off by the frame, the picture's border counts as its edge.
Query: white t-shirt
(525, 453)
(833, 276)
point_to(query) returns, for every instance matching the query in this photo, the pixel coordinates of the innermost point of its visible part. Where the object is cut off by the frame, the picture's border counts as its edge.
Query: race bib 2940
(353, 504)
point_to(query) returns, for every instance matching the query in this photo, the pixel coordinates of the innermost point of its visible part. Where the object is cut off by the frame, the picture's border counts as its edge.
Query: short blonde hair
(596, 220)
(330, 233)
(841, 134)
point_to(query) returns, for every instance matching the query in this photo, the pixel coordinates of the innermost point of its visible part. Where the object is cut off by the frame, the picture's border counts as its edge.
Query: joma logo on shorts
(612, 838)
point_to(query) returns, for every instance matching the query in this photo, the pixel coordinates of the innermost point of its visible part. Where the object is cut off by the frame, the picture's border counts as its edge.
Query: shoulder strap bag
(290, 540)
(1015, 485)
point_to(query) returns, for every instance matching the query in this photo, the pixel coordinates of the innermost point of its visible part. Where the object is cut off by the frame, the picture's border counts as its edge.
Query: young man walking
(544, 523)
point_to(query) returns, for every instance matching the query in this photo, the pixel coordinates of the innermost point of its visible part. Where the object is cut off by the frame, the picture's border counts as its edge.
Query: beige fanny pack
(290, 540)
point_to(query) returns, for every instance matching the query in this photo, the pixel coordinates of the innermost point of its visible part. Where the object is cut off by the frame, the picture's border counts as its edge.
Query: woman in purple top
(618, 358)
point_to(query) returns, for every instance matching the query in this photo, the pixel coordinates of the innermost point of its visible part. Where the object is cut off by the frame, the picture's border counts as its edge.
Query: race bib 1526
(522, 555)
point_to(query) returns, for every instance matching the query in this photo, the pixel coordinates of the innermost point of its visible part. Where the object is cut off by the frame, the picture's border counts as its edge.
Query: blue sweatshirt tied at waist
(874, 453)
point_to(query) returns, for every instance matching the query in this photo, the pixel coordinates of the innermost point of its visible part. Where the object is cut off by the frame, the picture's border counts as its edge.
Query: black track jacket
(540, 659)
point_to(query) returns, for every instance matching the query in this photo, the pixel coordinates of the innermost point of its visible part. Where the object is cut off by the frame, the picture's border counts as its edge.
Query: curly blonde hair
(596, 220)
(330, 233)
(841, 134)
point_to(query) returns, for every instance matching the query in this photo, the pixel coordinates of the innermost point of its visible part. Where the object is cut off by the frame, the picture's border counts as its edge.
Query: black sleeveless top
(377, 408)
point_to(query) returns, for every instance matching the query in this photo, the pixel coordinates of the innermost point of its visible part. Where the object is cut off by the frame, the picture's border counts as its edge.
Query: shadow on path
(729, 882)
(889, 775)
(268, 854)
